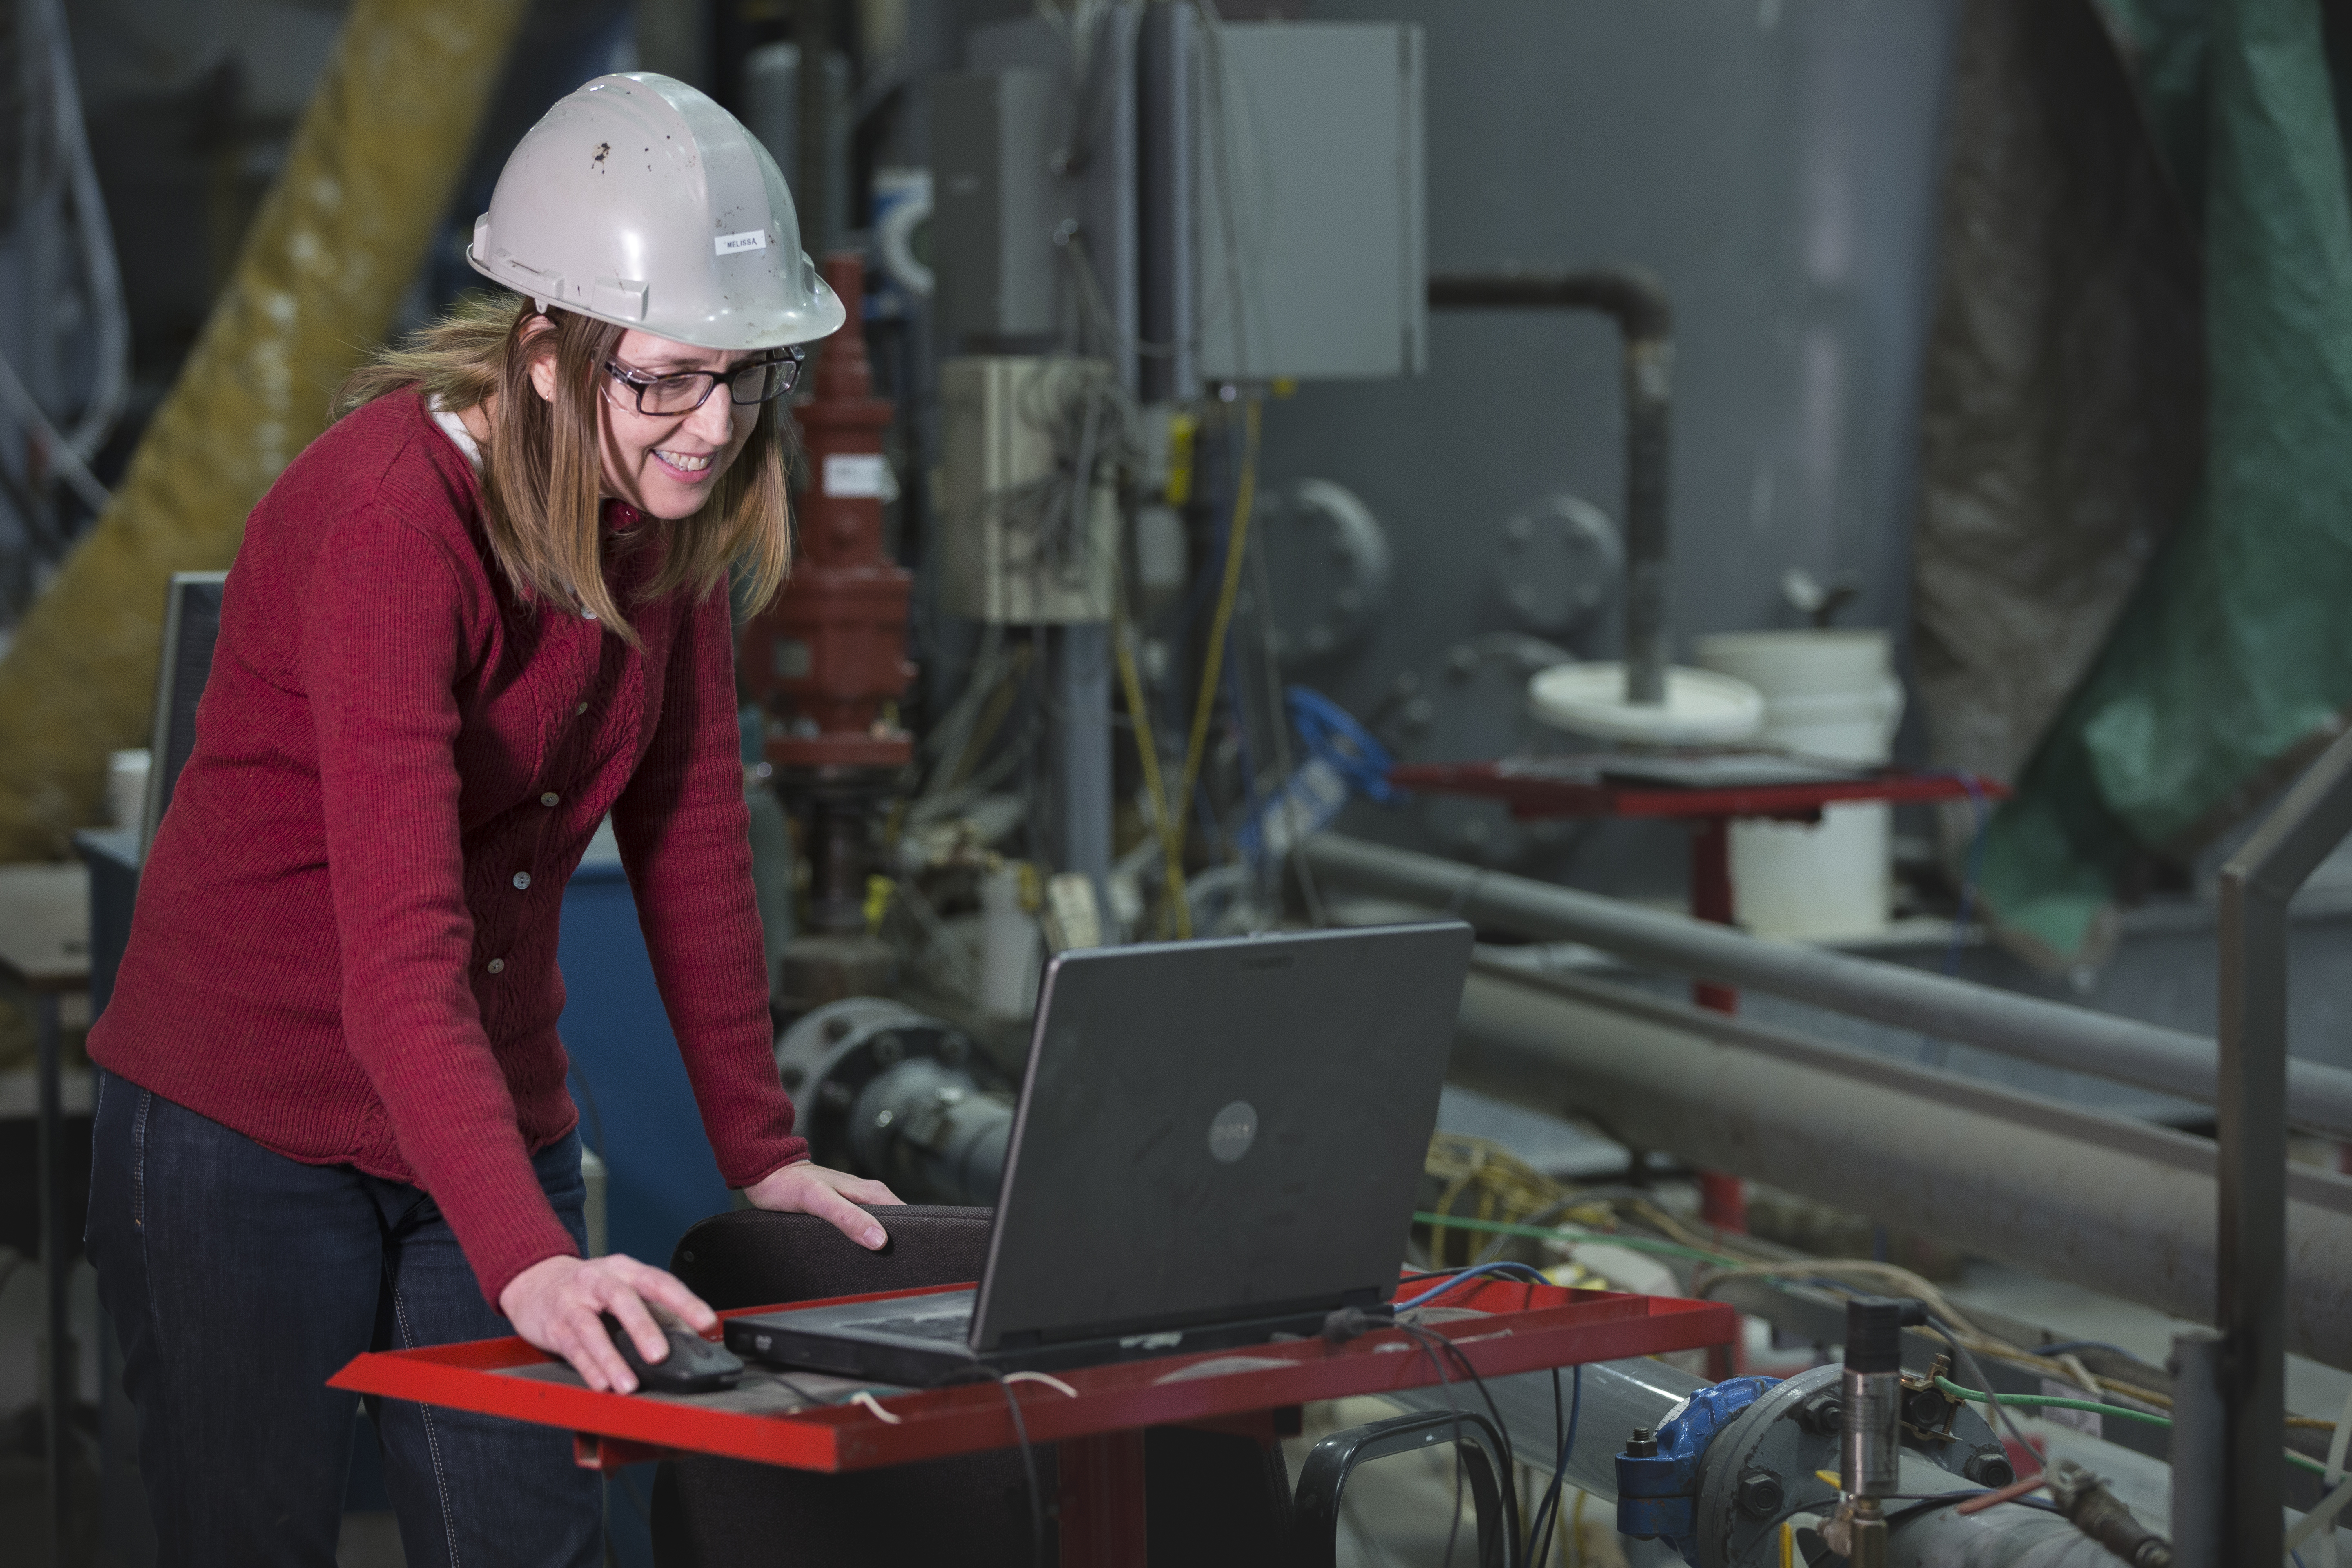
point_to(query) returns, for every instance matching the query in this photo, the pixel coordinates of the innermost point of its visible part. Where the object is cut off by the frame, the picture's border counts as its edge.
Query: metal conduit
(1637, 303)
(2116, 1206)
(2122, 1050)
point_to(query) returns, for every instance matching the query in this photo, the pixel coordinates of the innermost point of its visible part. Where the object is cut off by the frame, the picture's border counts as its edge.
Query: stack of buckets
(1830, 695)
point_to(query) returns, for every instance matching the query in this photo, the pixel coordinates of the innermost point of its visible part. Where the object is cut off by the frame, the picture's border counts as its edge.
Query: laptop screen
(1213, 1129)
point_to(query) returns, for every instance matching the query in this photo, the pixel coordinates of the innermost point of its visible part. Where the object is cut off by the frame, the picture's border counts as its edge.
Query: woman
(488, 608)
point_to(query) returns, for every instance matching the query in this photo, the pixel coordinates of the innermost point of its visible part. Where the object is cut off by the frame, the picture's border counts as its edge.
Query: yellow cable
(1576, 1526)
(1163, 824)
(1212, 663)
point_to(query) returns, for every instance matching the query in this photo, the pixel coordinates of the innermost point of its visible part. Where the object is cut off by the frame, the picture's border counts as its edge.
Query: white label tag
(856, 476)
(751, 239)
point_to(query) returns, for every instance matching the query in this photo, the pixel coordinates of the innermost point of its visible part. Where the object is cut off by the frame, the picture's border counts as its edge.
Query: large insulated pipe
(2122, 1050)
(1646, 323)
(1611, 1398)
(2116, 1206)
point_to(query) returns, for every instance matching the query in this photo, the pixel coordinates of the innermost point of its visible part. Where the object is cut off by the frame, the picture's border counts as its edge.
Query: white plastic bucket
(1831, 695)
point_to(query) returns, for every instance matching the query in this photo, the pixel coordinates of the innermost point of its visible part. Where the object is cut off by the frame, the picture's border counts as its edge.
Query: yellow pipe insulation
(366, 184)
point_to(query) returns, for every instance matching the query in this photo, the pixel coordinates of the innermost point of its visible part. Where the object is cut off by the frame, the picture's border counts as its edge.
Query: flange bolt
(1759, 1494)
(1989, 1466)
(1643, 1445)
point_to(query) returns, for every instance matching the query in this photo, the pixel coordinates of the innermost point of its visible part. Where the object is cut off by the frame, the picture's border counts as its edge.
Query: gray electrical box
(1310, 194)
(997, 203)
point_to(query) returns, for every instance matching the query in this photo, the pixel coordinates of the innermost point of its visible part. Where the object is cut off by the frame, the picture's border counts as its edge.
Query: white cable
(875, 1407)
(1053, 1383)
(2336, 1494)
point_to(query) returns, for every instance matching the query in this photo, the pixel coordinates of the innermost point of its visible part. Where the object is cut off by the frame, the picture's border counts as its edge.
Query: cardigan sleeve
(384, 643)
(685, 839)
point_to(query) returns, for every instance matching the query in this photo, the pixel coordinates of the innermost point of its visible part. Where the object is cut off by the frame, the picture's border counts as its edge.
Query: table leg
(1723, 1201)
(1102, 1501)
(1722, 1197)
(56, 1358)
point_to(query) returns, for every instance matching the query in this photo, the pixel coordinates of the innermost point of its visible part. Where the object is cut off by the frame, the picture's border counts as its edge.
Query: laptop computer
(1216, 1143)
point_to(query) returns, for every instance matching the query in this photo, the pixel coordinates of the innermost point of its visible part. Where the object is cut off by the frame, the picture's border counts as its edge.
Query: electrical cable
(1028, 1452)
(2039, 1401)
(1221, 621)
(2335, 1494)
(1548, 1515)
(1969, 1360)
(1164, 817)
(1456, 1276)
(1445, 1381)
(1279, 715)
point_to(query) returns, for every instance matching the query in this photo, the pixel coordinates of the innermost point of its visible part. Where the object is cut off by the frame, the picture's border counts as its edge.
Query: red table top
(1529, 1327)
(1539, 787)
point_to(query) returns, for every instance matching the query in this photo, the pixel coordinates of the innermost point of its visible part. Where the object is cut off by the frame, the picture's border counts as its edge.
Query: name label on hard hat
(751, 239)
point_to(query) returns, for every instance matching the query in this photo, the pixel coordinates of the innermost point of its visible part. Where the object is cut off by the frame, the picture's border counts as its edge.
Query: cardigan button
(521, 880)
(549, 798)
(581, 709)
(497, 966)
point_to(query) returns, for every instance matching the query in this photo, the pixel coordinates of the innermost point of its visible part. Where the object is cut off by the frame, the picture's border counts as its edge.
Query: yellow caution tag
(1181, 429)
(879, 891)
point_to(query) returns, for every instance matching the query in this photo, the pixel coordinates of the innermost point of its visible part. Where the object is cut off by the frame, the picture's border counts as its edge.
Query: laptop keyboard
(931, 1326)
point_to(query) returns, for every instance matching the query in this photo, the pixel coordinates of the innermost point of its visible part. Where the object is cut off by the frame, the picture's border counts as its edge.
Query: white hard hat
(638, 200)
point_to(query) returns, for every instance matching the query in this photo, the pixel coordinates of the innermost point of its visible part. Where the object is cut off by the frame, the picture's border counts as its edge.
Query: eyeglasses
(761, 381)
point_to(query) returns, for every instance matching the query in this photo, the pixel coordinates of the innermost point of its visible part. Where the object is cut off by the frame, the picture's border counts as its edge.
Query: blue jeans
(240, 1281)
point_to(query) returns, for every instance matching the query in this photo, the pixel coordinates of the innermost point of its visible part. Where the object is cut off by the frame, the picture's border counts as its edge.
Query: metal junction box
(1012, 552)
(998, 204)
(1310, 190)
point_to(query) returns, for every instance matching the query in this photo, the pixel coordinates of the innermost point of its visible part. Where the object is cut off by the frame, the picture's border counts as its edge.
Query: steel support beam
(2251, 1306)
(2121, 1050)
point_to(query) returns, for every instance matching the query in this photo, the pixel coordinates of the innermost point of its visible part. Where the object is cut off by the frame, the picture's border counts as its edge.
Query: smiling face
(664, 465)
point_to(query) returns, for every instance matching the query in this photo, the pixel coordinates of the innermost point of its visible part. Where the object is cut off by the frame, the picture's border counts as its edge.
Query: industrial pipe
(1644, 319)
(2116, 1206)
(2122, 1050)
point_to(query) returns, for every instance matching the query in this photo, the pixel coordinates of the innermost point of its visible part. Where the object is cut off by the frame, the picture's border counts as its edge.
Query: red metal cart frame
(1527, 1327)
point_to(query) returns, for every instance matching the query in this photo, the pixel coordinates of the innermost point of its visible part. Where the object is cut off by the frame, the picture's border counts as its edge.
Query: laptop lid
(1207, 1129)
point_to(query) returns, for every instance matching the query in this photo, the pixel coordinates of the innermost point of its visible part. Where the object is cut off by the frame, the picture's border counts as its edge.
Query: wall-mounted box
(1310, 184)
(996, 202)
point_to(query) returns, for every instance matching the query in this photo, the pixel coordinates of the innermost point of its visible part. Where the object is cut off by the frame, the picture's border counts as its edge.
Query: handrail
(2121, 1050)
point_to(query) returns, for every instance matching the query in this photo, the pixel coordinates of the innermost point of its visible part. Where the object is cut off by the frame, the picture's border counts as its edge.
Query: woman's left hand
(831, 1195)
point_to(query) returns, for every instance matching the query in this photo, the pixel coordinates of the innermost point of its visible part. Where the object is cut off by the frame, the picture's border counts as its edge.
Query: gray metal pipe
(1637, 303)
(2121, 1050)
(2003, 1537)
(2115, 1205)
(1616, 1397)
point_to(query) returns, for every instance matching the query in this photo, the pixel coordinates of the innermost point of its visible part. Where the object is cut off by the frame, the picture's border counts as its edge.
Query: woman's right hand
(556, 1305)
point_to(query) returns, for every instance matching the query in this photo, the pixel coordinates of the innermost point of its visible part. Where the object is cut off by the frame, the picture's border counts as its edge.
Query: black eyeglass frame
(642, 382)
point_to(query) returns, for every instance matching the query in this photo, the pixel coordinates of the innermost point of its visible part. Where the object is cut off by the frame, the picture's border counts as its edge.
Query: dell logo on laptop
(1233, 1129)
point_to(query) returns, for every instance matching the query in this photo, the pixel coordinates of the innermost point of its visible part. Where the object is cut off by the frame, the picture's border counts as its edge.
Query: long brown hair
(542, 473)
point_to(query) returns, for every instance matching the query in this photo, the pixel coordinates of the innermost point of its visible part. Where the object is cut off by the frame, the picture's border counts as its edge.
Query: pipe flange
(829, 1055)
(1558, 565)
(1330, 557)
(1789, 1435)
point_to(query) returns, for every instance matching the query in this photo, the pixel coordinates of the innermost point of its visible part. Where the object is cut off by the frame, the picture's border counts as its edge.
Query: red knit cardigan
(344, 944)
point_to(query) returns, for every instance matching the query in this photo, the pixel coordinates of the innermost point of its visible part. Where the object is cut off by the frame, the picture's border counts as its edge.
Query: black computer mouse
(694, 1365)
